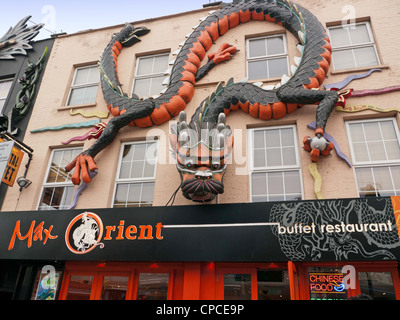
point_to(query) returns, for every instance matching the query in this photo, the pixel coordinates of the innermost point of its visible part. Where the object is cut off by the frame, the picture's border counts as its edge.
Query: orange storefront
(306, 250)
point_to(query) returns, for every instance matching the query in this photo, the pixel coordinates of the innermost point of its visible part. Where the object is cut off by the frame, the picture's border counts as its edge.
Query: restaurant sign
(320, 230)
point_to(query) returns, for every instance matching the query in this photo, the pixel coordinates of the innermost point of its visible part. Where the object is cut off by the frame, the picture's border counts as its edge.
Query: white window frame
(370, 164)
(89, 84)
(150, 75)
(357, 46)
(8, 93)
(267, 57)
(284, 168)
(46, 184)
(119, 181)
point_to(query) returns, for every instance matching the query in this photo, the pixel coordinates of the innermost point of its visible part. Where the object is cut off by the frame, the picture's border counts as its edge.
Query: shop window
(57, 192)
(375, 150)
(326, 283)
(267, 57)
(84, 86)
(46, 286)
(80, 287)
(153, 286)
(377, 285)
(353, 46)
(273, 285)
(114, 288)
(149, 75)
(136, 175)
(5, 87)
(237, 286)
(274, 165)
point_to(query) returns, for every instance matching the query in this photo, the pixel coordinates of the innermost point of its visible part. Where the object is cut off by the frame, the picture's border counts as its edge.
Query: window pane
(365, 181)
(5, 87)
(160, 64)
(237, 287)
(259, 158)
(292, 182)
(376, 151)
(56, 198)
(372, 131)
(114, 288)
(273, 285)
(90, 95)
(147, 195)
(339, 37)
(273, 138)
(383, 180)
(277, 67)
(388, 130)
(275, 183)
(393, 150)
(357, 132)
(259, 184)
(359, 34)
(121, 195)
(396, 176)
(156, 85)
(258, 70)
(257, 48)
(134, 194)
(274, 157)
(377, 285)
(287, 137)
(153, 286)
(77, 96)
(365, 57)
(145, 66)
(94, 75)
(82, 76)
(259, 141)
(360, 151)
(289, 156)
(79, 288)
(275, 45)
(343, 59)
(142, 87)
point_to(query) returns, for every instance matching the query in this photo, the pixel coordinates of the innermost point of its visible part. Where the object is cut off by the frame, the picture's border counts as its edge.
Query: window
(136, 175)
(353, 46)
(149, 75)
(274, 165)
(5, 86)
(84, 86)
(375, 151)
(153, 286)
(58, 189)
(267, 57)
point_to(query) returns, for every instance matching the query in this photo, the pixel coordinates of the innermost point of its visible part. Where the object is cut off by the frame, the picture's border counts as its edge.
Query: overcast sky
(72, 15)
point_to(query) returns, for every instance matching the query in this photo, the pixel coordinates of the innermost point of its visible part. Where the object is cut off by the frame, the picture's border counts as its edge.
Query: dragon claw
(318, 145)
(224, 53)
(82, 164)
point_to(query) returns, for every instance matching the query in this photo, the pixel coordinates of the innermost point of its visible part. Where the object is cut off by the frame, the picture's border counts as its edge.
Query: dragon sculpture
(16, 40)
(203, 145)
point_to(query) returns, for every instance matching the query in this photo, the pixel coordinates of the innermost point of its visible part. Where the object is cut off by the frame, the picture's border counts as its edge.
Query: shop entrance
(375, 281)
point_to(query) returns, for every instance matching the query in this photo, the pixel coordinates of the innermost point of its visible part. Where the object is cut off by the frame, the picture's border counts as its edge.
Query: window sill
(80, 106)
(335, 72)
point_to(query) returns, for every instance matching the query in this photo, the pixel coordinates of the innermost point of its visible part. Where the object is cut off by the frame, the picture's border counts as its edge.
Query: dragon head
(201, 157)
(130, 34)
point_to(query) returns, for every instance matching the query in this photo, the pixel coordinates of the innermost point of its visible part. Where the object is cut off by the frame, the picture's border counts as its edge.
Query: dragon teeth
(293, 69)
(175, 53)
(166, 81)
(168, 72)
(258, 84)
(301, 37)
(297, 61)
(300, 48)
(269, 87)
(285, 79)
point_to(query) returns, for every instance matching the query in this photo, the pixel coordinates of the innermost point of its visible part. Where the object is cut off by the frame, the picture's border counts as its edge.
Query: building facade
(285, 227)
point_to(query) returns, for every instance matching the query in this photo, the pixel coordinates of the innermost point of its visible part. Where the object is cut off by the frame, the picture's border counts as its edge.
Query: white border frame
(370, 164)
(282, 168)
(150, 75)
(72, 87)
(133, 180)
(54, 184)
(267, 57)
(356, 46)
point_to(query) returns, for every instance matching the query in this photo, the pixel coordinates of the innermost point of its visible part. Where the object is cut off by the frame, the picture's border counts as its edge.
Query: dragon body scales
(265, 104)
